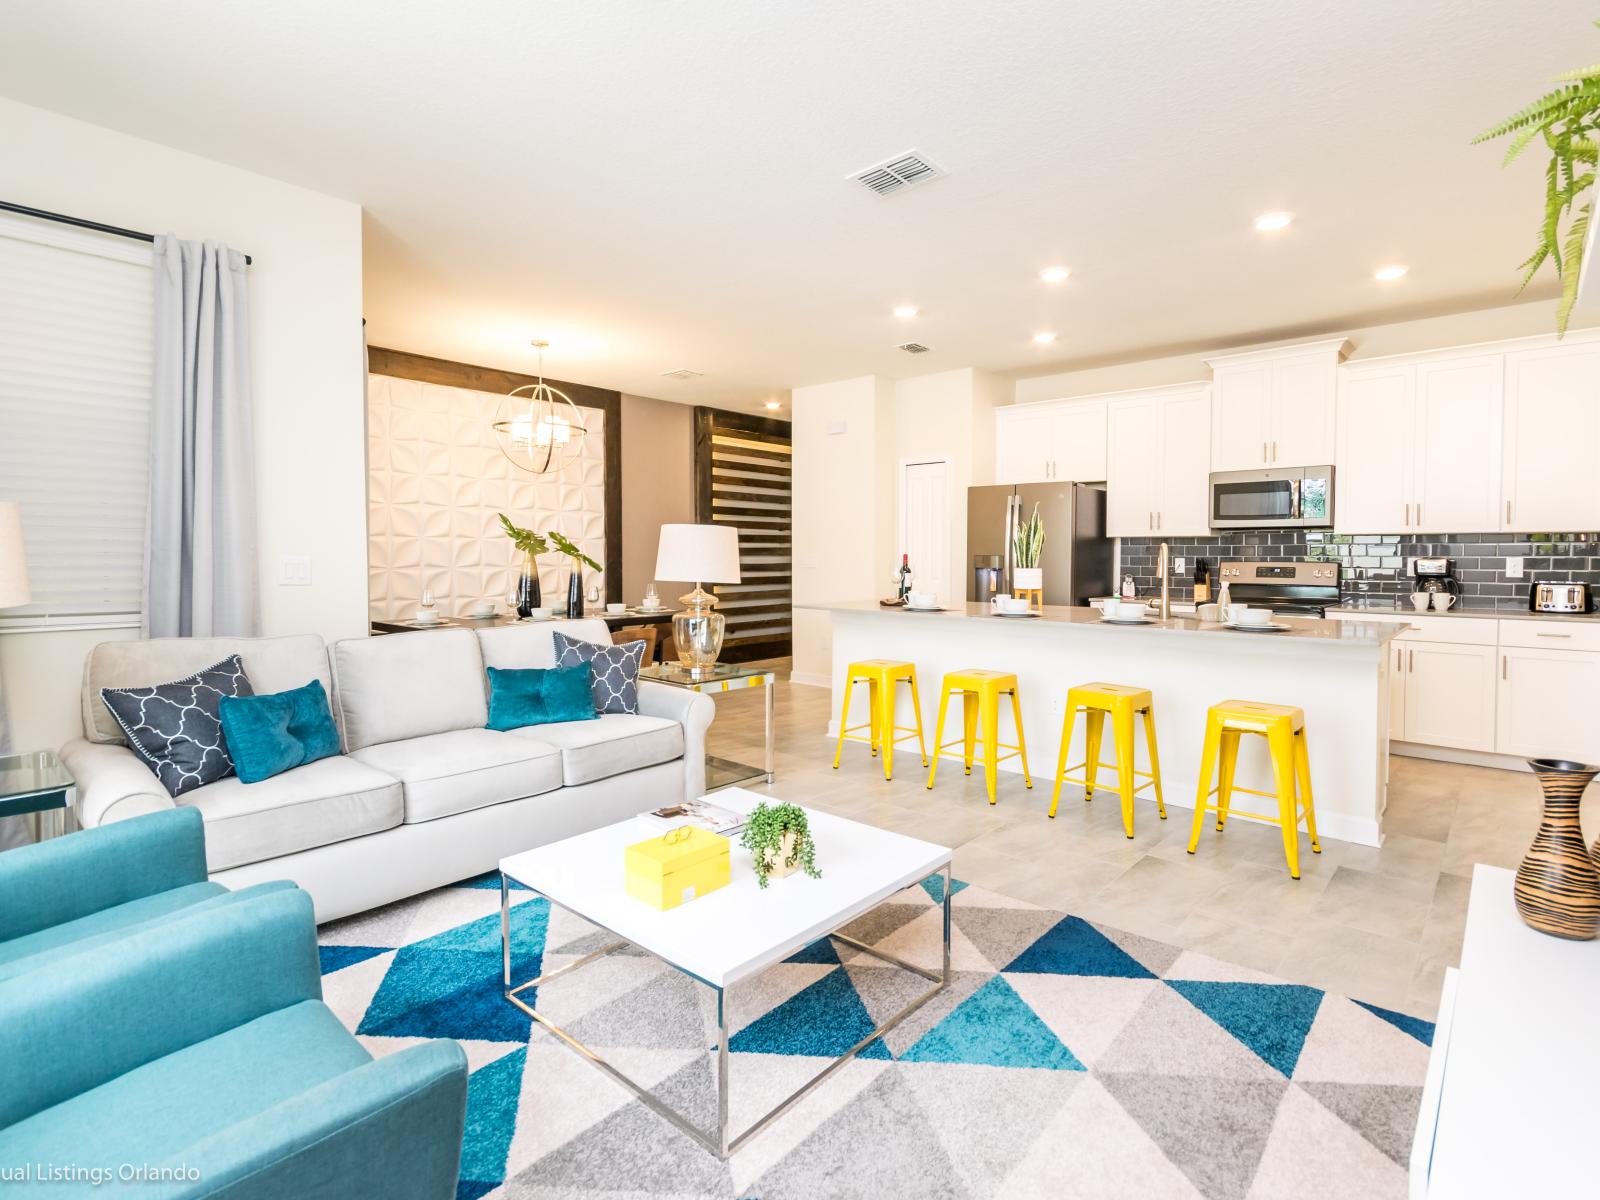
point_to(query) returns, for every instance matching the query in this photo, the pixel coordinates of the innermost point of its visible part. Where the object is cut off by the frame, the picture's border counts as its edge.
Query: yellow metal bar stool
(1284, 727)
(980, 693)
(1122, 703)
(880, 675)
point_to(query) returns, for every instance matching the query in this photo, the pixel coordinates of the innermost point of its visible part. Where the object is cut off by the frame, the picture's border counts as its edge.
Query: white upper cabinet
(1552, 439)
(1457, 444)
(1372, 467)
(1275, 408)
(1158, 463)
(1419, 445)
(1057, 440)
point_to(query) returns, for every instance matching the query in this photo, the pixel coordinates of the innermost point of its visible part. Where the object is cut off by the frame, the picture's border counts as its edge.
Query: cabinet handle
(1408, 514)
(1554, 635)
(1419, 514)
(1274, 451)
(1149, 520)
(1502, 666)
(1508, 512)
(1264, 457)
(1399, 659)
(1158, 519)
(1411, 660)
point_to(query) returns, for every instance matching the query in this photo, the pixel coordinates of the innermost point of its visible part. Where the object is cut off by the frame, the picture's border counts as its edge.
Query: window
(76, 333)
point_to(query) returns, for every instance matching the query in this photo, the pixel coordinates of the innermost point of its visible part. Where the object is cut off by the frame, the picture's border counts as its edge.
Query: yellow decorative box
(685, 863)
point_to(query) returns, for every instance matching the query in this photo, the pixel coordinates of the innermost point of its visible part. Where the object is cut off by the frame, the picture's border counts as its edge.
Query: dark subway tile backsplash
(1374, 564)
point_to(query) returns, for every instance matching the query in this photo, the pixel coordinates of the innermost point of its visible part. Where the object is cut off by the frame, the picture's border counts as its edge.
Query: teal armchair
(90, 888)
(198, 1049)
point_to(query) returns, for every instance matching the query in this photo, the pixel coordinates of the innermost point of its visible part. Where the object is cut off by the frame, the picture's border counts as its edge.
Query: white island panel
(1336, 671)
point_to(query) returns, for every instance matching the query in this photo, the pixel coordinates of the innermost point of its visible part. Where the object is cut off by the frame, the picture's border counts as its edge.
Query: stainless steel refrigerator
(1077, 554)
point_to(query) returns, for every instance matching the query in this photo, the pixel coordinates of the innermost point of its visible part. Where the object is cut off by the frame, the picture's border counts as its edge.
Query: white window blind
(76, 312)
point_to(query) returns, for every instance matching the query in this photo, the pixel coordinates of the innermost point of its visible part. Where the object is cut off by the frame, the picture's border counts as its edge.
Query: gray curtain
(200, 547)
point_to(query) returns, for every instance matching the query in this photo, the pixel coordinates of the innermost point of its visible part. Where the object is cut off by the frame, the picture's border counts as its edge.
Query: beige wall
(1433, 333)
(844, 506)
(657, 488)
(949, 416)
(305, 291)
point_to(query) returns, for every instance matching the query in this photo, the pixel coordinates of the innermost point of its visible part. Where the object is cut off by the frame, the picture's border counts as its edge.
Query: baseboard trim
(821, 681)
(1468, 758)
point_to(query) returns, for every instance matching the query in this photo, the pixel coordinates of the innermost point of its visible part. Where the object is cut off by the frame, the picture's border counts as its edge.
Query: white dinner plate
(913, 608)
(1269, 627)
(1127, 621)
(1015, 615)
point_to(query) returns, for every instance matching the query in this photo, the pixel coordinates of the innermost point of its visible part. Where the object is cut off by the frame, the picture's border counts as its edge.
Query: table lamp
(706, 554)
(14, 591)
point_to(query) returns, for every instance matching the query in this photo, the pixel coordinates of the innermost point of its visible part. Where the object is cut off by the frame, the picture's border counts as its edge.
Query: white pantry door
(929, 540)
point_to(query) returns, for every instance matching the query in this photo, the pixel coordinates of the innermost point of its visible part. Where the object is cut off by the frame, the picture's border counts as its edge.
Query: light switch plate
(1513, 568)
(294, 570)
(835, 428)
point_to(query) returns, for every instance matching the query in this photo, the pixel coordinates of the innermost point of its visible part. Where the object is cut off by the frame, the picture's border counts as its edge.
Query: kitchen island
(1335, 670)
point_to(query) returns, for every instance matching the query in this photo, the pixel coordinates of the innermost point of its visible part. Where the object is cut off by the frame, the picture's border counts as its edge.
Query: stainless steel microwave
(1299, 497)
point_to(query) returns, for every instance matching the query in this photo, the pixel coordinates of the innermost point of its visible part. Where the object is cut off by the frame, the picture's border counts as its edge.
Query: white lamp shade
(698, 553)
(13, 559)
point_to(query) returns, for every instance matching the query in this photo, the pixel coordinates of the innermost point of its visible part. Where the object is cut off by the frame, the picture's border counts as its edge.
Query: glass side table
(723, 677)
(37, 783)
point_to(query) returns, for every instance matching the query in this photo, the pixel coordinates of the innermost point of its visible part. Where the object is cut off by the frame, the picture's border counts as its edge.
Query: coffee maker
(1435, 575)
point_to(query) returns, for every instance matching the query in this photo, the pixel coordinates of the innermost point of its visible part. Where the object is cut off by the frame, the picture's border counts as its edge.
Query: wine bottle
(905, 577)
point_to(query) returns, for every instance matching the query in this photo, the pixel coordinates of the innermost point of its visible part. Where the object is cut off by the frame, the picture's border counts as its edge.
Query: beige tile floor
(1380, 925)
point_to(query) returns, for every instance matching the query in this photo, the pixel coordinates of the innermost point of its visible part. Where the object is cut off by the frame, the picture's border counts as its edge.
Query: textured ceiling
(654, 186)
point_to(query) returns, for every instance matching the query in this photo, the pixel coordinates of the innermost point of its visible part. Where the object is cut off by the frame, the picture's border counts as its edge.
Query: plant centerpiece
(530, 545)
(1568, 120)
(575, 580)
(1027, 549)
(780, 839)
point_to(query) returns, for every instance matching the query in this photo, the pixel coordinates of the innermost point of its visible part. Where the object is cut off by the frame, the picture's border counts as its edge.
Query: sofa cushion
(613, 745)
(613, 671)
(532, 643)
(448, 773)
(175, 727)
(314, 805)
(272, 664)
(162, 1108)
(407, 685)
(520, 696)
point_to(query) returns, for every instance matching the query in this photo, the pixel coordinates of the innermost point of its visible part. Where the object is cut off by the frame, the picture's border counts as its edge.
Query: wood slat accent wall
(741, 475)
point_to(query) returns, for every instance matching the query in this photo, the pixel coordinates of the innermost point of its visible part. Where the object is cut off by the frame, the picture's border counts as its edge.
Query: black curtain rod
(63, 219)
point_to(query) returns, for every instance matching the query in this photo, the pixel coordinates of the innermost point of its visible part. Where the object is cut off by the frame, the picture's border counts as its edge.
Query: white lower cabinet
(1397, 691)
(1545, 703)
(1450, 695)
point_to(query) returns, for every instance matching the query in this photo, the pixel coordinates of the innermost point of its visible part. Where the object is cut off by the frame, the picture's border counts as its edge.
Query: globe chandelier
(538, 427)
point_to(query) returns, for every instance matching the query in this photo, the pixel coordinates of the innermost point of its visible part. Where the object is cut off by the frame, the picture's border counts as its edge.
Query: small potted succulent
(780, 840)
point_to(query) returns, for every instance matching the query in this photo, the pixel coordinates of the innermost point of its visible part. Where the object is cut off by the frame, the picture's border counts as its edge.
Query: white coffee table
(730, 934)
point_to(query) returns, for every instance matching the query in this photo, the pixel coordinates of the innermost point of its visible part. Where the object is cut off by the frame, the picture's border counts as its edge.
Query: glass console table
(37, 783)
(724, 677)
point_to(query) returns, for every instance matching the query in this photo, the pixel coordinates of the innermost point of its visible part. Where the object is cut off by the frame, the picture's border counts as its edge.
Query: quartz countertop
(1054, 617)
(1458, 609)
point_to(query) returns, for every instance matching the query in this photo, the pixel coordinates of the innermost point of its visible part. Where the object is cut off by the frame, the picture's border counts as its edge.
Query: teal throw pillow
(535, 697)
(268, 735)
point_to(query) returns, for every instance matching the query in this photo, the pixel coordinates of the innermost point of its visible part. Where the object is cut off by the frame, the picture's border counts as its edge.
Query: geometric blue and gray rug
(1066, 1059)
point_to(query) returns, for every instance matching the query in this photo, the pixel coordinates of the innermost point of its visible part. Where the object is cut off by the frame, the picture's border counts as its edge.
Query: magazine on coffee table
(700, 813)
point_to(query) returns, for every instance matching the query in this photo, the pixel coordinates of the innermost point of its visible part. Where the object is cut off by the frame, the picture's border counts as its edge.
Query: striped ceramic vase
(1558, 886)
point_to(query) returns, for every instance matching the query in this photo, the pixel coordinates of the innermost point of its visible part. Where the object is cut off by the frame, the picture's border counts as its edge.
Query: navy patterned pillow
(175, 728)
(613, 671)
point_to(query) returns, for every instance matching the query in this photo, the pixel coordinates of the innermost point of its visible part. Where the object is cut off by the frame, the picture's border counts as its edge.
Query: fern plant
(1027, 543)
(1567, 119)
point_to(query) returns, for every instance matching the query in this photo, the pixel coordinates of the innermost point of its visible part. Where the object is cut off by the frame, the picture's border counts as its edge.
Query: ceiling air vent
(913, 347)
(897, 174)
(683, 373)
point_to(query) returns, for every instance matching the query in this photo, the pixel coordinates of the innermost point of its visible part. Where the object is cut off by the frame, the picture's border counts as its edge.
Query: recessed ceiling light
(1054, 274)
(773, 406)
(1044, 339)
(1272, 222)
(1390, 274)
(906, 311)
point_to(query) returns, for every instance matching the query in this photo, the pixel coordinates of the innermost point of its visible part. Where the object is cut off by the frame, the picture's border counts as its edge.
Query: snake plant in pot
(780, 839)
(1567, 120)
(1027, 549)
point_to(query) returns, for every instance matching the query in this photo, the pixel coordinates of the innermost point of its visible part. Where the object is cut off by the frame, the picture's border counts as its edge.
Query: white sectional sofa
(423, 794)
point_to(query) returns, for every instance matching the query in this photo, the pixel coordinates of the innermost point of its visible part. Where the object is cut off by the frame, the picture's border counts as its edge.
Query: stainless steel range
(1292, 589)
